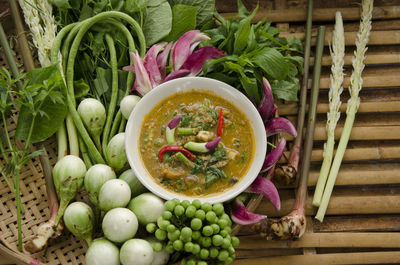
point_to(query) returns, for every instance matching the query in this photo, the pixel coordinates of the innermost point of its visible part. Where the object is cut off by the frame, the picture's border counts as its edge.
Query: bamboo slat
(362, 174)
(336, 239)
(386, 257)
(323, 14)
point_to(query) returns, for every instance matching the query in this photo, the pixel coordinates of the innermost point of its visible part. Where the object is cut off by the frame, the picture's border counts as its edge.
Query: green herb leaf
(48, 104)
(205, 11)
(157, 23)
(286, 90)
(243, 33)
(272, 62)
(133, 6)
(183, 20)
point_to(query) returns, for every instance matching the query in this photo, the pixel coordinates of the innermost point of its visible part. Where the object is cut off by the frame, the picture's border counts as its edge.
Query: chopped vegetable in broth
(196, 143)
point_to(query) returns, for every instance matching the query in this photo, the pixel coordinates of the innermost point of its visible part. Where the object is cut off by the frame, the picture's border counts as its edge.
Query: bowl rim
(182, 85)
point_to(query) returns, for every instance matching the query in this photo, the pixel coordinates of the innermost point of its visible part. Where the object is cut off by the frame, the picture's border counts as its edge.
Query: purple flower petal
(151, 64)
(162, 59)
(213, 144)
(278, 125)
(177, 74)
(142, 84)
(185, 45)
(273, 157)
(265, 187)
(242, 216)
(174, 122)
(196, 60)
(266, 107)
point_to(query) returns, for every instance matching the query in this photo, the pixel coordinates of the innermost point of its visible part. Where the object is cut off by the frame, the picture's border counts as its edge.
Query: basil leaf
(183, 20)
(243, 32)
(50, 97)
(205, 12)
(272, 62)
(133, 6)
(157, 23)
(286, 90)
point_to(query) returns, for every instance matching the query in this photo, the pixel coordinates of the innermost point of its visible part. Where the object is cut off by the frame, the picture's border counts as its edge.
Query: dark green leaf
(211, 179)
(157, 23)
(155, 2)
(298, 61)
(272, 62)
(242, 10)
(250, 86)
(285, 90)
(81, 89)
(205, 11)
(133, 6)
(53, 109)
(183, 20)
(243, 32)
(86, 12)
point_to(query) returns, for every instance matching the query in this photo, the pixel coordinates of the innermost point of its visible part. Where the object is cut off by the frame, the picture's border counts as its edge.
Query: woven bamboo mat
(362, 225)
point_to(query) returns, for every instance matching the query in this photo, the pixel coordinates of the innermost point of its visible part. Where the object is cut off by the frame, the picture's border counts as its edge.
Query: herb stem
(185, 131)
(9, 55)
(18, 197)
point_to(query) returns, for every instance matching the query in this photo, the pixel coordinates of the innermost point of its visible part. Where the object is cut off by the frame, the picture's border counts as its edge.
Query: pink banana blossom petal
(273, 157)
(242, 216)
(265, 187)
(196, 60)
(177, 74)
(185, 45)
(162, 59)
(266, 107)
(151, 64)
(278, 125)
(143, 83)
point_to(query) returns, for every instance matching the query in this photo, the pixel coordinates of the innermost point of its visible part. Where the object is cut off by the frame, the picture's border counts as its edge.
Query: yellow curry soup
(209, 171)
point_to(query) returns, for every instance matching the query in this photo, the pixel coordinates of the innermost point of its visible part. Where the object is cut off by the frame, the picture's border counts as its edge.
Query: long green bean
(114, 90)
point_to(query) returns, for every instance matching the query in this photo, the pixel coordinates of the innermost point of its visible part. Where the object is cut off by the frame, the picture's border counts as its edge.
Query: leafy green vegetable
(220, 154)
(213, 174)
(157, 23)
(255, 51)
(183, 20)
(205, 11)
(43, 97)
(133, 6)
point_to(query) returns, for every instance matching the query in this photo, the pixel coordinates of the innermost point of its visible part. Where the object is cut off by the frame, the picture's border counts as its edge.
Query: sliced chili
(220, 122)
(175, 148)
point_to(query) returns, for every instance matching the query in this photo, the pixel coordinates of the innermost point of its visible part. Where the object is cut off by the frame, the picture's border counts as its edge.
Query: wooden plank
(365, 107)
(377, 223)
(372, 77)
(340, 205)
(361, 174)
(323, 240)
(359, 133)
(384, 37)
(323, 14)
(363, 151)
(384, 257)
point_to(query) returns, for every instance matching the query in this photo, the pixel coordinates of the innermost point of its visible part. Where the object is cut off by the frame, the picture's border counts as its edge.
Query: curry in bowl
(196, 143)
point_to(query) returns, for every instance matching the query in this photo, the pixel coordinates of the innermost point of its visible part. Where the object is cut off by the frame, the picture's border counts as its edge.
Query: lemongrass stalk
(337, 54)
(352, 104)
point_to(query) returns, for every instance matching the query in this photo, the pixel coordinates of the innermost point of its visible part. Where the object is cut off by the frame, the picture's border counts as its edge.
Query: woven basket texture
(66, 249)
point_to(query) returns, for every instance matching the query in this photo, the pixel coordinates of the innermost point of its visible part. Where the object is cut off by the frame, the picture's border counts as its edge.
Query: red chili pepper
(220, 122)
(175, 148)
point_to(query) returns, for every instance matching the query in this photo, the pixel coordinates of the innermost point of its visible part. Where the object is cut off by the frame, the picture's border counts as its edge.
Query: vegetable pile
(201, 232)
(104, 57)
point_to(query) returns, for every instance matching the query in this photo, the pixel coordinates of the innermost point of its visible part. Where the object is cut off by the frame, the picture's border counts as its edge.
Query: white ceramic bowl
(169, 88)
